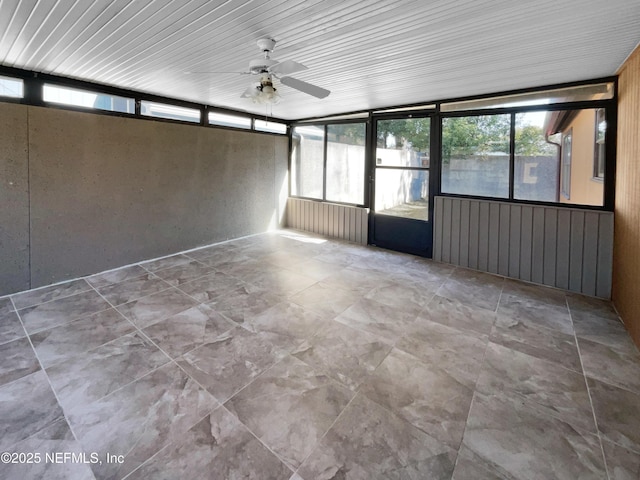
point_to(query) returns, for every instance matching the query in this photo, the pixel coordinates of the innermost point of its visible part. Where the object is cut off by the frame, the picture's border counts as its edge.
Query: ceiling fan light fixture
(266, 93)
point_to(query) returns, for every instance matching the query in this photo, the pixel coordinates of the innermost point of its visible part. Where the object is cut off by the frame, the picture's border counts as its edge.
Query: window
(599, 153)
(536, 165)
(271, 127)
(11, 87)
(476, 155)
(566, 165)
(87, 99)
(552, 159)
(307, 162)
(574, 131)
(171, 112)
(598, 91)
(226, 120)
(334, 174)
(402, 167)
(345, 163)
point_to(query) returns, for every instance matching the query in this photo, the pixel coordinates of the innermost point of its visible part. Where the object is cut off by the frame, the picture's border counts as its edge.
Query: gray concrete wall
(108, 191)
(14, 199)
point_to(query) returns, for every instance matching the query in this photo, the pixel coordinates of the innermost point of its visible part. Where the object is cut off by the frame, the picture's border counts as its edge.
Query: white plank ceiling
(370, 54)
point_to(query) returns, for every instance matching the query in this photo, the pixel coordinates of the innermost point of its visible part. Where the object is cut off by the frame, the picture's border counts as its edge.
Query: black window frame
(33, 85)
(609, 106)
(325, 125)
(433, 108)
(511, 157)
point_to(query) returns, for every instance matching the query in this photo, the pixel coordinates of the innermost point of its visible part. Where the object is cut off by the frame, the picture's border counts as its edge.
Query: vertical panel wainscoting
(329, 219)
(566, 248)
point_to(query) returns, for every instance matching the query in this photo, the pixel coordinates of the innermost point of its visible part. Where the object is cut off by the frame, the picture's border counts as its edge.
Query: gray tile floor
(288, 356)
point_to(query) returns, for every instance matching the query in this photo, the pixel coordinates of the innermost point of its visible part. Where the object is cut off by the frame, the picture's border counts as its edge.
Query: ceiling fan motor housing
(266, 44)
(261, 65)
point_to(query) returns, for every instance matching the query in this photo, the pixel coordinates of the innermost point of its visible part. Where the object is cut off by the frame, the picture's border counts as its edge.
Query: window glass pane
(535, 175)
(402, 193)
(229, 120)
(348, 116)
(599, 91)
(272, 127)
(11, 87)
(87, 99)
(307, 158)
(403, 142)
(574, 131)
(171, 112)
(407, 109)
(345, 163)
(475, 155)
(566, 165)
(599, 153)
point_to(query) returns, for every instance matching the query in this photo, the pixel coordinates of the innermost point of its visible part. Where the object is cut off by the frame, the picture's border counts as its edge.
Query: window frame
(510, 158)
(13, 98)
(266, 129)
(323, 161)
(70, 90)
(610, 111)
(229, 123)
(433, 168)
(324, 125)
(326, 161)
(33, 86)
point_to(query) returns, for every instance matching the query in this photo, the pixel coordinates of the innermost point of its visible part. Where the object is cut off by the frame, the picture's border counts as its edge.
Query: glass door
(401, 206)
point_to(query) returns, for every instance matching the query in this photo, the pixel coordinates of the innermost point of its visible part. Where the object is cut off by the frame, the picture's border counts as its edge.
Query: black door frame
(413, 228)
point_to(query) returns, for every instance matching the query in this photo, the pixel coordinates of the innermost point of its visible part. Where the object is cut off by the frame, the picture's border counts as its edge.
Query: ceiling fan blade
(209, 73)
(249, 92)
(287, 67)
(305, 87)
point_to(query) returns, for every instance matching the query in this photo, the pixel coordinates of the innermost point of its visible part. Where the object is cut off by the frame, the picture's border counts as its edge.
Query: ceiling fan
(263, 90)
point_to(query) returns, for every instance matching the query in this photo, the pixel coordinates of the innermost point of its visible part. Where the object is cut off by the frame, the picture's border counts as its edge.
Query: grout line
(464, 430)
(220, 404)
(171, 361)
(172, 442)
(284, 462)
(355, 394)
(68, 322)
(586, 382)
(182, 252)
(499, 298)
(236, 325)
(55, 394)
(64, 295)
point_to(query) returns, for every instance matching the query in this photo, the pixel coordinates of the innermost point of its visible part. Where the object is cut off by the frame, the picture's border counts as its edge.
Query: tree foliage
(478, 135)
(530, 142)
(410, 133)
(351, 133)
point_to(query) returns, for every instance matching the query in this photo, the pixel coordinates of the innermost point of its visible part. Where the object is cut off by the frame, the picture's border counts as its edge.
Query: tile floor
(285, 356)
